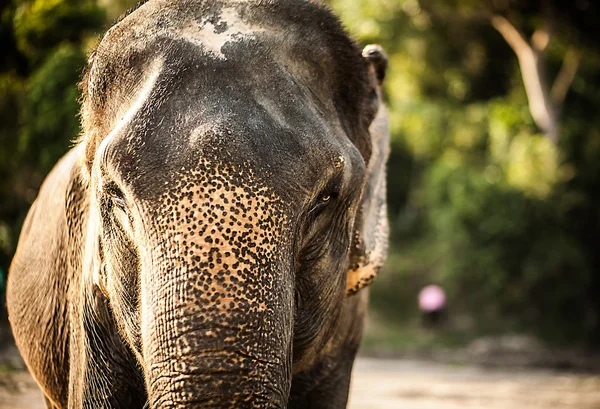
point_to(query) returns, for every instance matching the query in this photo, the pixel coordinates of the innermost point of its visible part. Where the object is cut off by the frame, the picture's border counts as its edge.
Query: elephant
(209, 238)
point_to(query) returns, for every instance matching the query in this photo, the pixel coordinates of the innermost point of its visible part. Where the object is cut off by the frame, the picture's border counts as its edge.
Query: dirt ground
(386, 384)
(402, 384)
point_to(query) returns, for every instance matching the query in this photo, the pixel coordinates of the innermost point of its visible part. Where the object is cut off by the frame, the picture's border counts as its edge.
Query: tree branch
(515, 39)
(532, 72)
(565, 76)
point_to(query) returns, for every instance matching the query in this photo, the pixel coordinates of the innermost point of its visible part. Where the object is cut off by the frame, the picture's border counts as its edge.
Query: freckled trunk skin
(217, 299)
(204, 353)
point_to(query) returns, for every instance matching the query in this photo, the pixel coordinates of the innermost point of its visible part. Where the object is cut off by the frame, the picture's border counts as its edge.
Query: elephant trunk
(212, 342)
(217, 307)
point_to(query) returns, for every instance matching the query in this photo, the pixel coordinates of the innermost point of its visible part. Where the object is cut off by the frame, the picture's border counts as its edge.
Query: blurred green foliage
(44, 51)
(481, 201)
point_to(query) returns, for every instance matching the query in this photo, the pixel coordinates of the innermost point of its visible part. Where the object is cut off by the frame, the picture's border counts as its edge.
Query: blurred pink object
(432, 298)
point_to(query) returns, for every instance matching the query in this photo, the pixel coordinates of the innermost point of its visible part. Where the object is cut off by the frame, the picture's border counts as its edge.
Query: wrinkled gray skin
(205, 243)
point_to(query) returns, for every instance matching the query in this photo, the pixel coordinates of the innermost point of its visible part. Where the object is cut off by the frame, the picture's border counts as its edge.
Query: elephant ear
(371, 229)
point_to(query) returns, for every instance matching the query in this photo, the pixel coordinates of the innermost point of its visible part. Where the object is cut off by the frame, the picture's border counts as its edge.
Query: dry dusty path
(380, 384)
(400, 384)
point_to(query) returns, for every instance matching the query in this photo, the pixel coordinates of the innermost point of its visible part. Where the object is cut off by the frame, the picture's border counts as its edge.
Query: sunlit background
(494, 175)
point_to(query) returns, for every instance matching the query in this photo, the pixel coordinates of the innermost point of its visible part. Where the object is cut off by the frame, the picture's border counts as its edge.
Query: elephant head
(234, 156)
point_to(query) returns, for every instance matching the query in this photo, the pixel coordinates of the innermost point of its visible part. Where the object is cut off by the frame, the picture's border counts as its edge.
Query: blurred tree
(528, 28)
(44, 45)
(497, 193)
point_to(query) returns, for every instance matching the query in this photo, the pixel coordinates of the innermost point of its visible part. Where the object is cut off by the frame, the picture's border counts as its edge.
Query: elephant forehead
(253, 77)
(212, 36)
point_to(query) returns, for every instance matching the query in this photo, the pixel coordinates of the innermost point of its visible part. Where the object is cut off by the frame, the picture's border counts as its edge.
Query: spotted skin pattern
(207, 241)
(228, 234)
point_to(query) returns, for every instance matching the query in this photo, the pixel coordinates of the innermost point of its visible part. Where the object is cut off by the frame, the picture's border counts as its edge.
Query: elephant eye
(321, 203)
(115, 195)
(118, 201)
(115, 207)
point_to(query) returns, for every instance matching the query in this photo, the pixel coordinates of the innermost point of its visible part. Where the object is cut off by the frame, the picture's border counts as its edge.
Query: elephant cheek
(217, 300)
